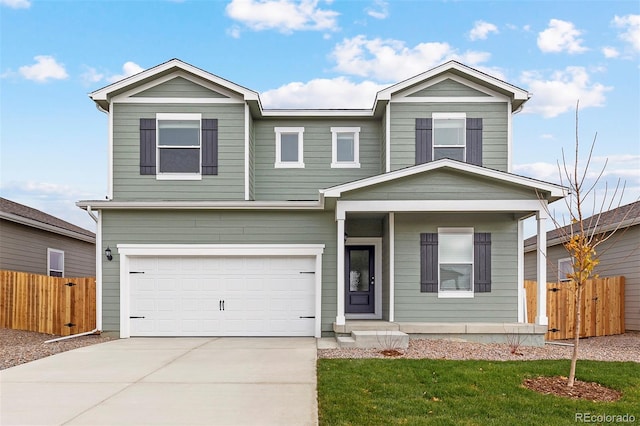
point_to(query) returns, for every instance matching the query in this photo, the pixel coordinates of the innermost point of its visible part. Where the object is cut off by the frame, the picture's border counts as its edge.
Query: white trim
(177, 101)
(52, 250)
(392, 266)
(46, 227)
(110, 158)
(387, 142)
(340, 318)
(522, 318)
(541, 275)
(376, 242)
(99, 258)
(279, 164)
(489, 93)
(179, 176)
(335, 164)
(318, 113)
(509, 138)
(247, 148)
(168, 116)
(449, 115)
(336, 191)
(126, 251)
(178, 116)
(447, 99)
(202, 205)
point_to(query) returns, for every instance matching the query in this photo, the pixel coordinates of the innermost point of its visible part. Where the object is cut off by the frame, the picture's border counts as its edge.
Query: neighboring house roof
(19, 213)
(621, 217)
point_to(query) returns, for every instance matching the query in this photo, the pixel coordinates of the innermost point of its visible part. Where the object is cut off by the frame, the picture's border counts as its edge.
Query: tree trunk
(576, 336)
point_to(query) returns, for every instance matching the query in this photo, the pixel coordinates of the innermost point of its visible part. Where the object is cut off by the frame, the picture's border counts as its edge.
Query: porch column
(541, 317)
(340, 320)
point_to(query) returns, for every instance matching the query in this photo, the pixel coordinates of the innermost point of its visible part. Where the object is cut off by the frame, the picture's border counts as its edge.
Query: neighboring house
(36, 242)
(226, 218)
(619, 255)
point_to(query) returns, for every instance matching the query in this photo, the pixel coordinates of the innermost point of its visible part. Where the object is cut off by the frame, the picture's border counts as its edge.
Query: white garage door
(222, 296)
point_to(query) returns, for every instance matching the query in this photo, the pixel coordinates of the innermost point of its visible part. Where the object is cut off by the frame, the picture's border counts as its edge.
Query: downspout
(98, 282)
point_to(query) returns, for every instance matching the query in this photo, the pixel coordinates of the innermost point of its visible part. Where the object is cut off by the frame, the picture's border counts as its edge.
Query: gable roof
(19, 213)
(622, 217)
(556, 191)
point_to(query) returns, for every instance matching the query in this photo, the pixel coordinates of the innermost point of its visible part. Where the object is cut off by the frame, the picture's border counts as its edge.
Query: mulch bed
(581, 390)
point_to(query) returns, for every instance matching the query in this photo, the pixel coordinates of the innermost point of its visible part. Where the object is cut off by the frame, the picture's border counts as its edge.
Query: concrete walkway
(167, 381)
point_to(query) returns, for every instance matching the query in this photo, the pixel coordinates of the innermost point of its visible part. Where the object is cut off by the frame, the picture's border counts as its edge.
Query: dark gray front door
(359, 280)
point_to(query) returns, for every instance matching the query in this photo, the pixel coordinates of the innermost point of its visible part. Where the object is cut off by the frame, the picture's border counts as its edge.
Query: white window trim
(463, 294)
(279, 164)
(177, 116)
(49, 251)
(560, 261)
(355, 164)
(448, 116)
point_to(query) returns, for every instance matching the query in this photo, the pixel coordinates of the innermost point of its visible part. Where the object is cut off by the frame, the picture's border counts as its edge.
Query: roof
(622, 217)
(19, 213)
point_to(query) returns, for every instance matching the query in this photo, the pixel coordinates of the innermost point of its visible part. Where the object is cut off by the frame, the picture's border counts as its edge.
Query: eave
(46, 227)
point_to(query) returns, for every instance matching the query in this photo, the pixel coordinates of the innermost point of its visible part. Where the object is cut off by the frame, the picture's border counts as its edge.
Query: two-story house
(228, 219)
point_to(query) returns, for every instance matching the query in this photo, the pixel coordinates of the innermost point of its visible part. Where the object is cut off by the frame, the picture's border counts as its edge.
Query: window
(289, 147)
(449, 130)
(565, 267)
(55, 262)
(455, 267)
(179, 153)
(345, 147)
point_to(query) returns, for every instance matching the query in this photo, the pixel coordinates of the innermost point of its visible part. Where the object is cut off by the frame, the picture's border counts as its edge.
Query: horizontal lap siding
(447, 88)
(303, 184)
(128, 184)
(210, 227)
(500, 305)
(494, 134)
(178, 88)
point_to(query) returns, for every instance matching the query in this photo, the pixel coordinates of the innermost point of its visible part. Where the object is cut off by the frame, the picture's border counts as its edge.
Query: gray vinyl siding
(128, 184)
(494, 134)
(212, 227)
(441, 185)
(448, 88)
(499, 305)
(620, 256)
(24, 249)
(179, 88)
(303, 184)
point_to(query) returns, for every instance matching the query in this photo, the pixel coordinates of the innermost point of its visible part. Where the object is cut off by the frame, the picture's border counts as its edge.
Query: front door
(360, 279)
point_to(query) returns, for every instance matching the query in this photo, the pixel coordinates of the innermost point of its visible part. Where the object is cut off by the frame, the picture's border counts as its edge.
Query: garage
(220, 295)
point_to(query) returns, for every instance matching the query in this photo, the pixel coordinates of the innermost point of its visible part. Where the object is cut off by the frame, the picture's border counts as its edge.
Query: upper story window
(179, 146)
(345, 147)
(289, 147)
(55, 263)
(449, 130)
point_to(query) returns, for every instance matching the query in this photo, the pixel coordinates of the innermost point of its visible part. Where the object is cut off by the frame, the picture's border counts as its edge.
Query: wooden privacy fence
(53, 305)
(602, 308)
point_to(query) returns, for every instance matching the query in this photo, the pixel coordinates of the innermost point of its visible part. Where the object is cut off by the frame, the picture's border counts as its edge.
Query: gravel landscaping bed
(623, 347)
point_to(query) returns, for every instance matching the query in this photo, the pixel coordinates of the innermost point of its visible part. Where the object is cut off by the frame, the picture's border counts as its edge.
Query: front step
(385, 339)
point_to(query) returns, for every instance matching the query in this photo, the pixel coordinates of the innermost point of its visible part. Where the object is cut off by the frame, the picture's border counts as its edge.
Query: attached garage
(220, 290)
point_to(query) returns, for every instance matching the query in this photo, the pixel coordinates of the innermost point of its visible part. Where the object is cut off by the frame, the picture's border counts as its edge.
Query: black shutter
(424, 142)
(429, 263)
(147, 146)
(209, 146)
(474, 141)
(482, 262)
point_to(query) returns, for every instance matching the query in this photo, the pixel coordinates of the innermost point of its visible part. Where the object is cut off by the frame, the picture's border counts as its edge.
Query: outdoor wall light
(107, 253)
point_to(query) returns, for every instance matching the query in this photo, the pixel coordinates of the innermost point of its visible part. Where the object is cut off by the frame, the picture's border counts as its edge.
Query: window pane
(565, 267)
(358, 270)
(289, 147)
(345, 147)
(456, 247)
(455, 277)
(179, 133)
(56, 260)
(448, 132)
(179, 160)
(452, 153)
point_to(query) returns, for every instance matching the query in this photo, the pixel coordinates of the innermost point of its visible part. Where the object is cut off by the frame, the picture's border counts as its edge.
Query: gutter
(98, 283)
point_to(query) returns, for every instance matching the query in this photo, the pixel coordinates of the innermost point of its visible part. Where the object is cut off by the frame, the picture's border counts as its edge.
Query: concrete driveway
(167, 381)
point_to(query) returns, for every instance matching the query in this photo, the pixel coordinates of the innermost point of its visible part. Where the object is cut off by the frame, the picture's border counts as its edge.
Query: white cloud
(481, 30)
(631, 26)
(322, 93)
(91, 75)
(561, 36)
(16, 4)
(547, 136)
(559, 93)
(379, 10)
(44, 69)
(392, 60)
(610, 52)
(128, 69)
(547, 172)
(285, 16)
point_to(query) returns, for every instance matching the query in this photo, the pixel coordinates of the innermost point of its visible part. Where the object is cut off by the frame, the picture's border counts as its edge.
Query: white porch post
(521, 295)
(541, 317)
(340, 320)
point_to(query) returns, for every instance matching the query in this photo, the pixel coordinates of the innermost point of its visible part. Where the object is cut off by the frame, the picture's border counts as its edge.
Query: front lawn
(425, 391)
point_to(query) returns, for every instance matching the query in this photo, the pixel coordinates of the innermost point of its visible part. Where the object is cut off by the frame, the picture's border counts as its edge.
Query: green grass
(418, 392)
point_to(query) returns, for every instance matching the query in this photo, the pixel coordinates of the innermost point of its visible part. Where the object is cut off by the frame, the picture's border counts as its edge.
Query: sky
(314, 54)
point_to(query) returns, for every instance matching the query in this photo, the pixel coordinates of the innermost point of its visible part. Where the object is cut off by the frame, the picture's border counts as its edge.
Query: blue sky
(311, 54)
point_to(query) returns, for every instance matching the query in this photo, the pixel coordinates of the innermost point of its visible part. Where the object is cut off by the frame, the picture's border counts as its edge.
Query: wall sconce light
(107, 253)
(345, 237)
